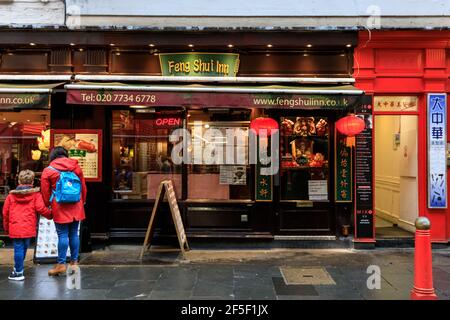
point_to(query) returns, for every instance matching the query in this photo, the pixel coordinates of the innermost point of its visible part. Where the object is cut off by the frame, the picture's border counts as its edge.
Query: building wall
(226, 15)
(32, 13)
(387, 170)
(396, 190)
(409, 63)
(263, 14)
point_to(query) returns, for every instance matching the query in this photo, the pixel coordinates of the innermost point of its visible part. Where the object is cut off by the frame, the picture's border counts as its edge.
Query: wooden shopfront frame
(250, 217)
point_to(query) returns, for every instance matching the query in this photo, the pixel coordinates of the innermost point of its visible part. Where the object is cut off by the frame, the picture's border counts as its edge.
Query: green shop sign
(263, 183)
(343, 170)
(199, 64)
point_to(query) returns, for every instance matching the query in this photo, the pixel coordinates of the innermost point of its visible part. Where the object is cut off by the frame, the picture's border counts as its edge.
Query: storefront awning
(32, 96)
(209, 79)
(243, 96)
(35, 77)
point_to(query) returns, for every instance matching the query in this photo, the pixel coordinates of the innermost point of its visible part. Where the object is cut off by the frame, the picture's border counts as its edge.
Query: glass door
(305, 183)
(304, 158)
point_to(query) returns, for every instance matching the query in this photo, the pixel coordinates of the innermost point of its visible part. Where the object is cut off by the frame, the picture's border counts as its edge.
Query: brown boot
(59, 269)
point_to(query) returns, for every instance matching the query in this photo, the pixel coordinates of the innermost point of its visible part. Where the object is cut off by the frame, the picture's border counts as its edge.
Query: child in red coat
(20, 216)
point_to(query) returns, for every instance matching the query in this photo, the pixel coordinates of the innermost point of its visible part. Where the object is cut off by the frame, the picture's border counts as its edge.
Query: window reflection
(304, 164)
(215, 137)
(142, 153)
(24, 144)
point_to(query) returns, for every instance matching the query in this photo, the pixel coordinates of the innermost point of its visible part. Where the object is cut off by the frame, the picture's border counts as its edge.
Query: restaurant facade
(136, 108)
(408, 74)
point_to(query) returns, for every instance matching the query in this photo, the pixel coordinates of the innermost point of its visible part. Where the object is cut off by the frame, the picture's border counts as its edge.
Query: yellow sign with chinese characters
(395, 103)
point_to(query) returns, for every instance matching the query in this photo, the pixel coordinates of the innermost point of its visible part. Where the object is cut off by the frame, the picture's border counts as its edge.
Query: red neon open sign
(168, 122)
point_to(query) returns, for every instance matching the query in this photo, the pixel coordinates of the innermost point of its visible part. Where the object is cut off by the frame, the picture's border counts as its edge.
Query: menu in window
(318, 190)
(46, 248)
(84, 146)
(233, 175)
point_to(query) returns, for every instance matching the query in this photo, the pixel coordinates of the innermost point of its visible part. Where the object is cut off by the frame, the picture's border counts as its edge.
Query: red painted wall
(409, 63)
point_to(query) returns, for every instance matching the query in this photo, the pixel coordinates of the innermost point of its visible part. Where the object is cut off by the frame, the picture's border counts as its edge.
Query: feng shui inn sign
(199, 64)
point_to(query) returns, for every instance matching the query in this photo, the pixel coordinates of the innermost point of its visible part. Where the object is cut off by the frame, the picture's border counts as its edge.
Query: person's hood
(64, 164)
(24, 193)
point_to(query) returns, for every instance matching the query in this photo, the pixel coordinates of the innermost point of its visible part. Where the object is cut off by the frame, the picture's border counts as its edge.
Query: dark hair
(58, 152)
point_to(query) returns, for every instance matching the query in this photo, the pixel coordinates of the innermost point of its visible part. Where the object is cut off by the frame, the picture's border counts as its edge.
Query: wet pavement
(117, 273)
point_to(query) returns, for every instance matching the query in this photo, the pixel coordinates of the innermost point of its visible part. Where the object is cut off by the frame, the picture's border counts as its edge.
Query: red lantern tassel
(350, 141)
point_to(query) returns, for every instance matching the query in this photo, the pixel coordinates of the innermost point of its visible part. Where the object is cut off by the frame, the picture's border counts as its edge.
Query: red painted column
(435, 79)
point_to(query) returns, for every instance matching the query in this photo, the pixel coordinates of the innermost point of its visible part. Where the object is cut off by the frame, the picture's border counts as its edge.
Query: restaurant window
(142, 153)
(304, 164)
(219, 168)
(24, 144)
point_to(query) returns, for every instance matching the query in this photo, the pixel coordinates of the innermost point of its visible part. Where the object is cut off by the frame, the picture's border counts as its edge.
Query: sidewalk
(117, 273)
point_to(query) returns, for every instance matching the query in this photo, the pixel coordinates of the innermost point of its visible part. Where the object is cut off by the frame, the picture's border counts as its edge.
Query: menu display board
(166, 189)
(364, 227)
(46, 248)
(85, 145)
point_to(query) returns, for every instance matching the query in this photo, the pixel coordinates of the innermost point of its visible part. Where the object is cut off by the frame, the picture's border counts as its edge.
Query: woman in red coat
(20, 211)
(67, 216)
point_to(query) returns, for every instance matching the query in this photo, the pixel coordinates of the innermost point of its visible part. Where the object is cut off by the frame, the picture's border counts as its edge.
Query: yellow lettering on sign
(196, 66)
(171, 65)
(201, 66)
(179, 66)
(222, 68)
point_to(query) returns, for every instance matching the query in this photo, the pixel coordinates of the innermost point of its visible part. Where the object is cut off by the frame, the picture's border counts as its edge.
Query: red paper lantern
(350, 125)
(262, 123)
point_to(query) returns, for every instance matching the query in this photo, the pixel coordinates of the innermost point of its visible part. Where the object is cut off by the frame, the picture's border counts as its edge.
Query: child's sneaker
(16, 276)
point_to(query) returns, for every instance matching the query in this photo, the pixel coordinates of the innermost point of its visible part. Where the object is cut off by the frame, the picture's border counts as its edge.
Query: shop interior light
(32, 44)
(112, 44)
(151, 45)
(309, 45)
(138, 107)
(348, 45)
(269, 46)
(190, 45)
(149, 110)
(230, 46)
(72, 44)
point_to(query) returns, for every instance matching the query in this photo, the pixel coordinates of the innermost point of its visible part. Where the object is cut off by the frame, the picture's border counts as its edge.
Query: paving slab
(229, 275)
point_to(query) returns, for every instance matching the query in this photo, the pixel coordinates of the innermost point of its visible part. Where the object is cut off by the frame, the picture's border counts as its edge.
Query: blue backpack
(68, 187)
